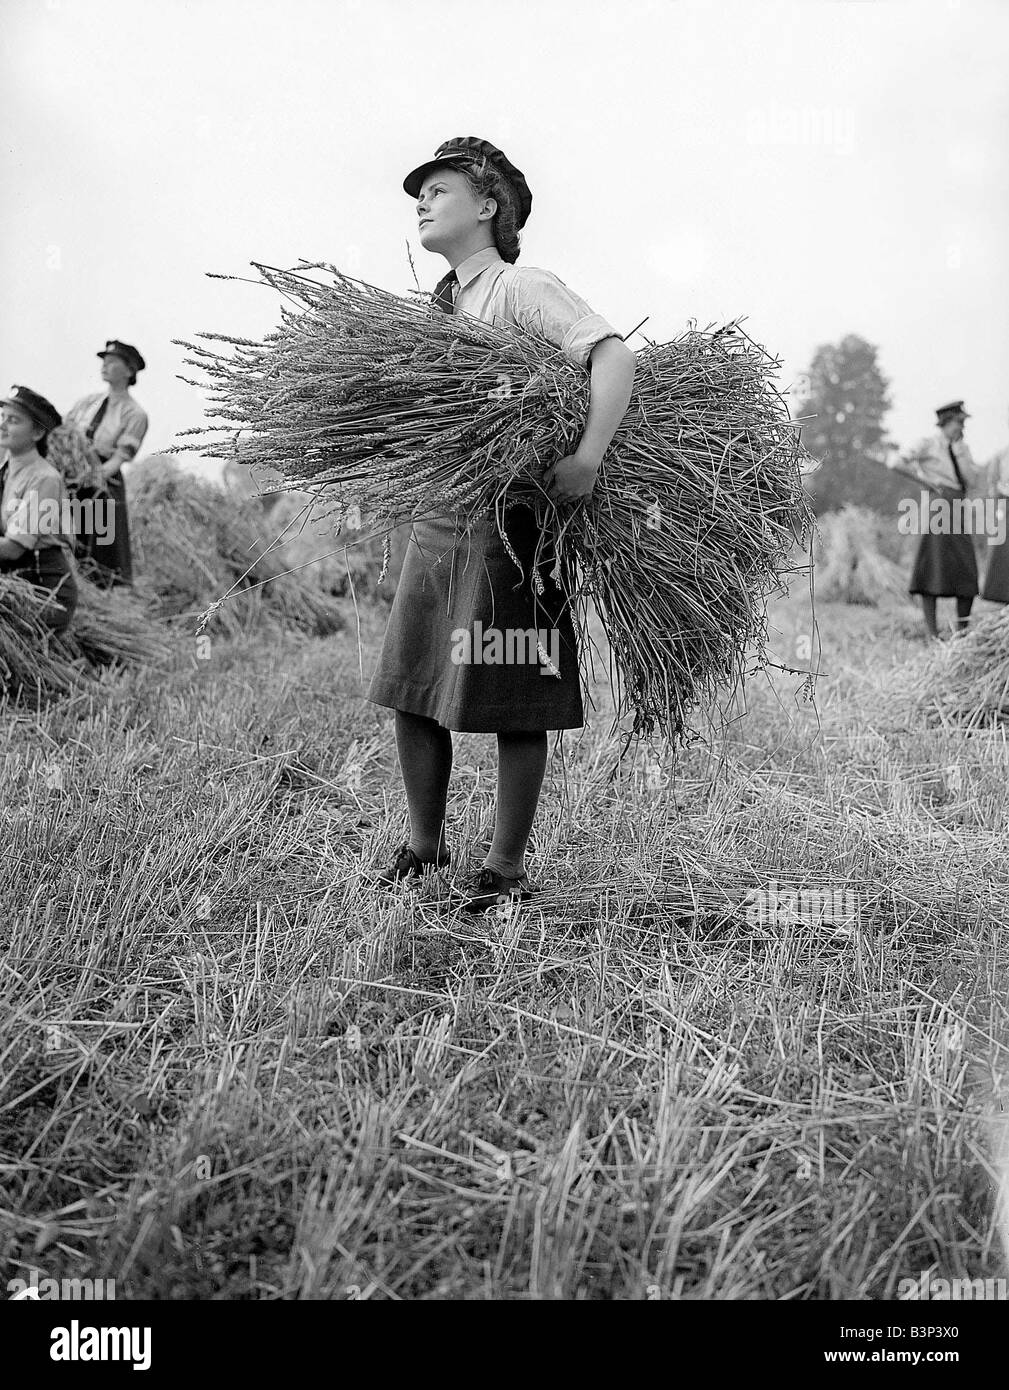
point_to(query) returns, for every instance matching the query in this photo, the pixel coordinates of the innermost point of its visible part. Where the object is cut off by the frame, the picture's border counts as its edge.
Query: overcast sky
(820, 166)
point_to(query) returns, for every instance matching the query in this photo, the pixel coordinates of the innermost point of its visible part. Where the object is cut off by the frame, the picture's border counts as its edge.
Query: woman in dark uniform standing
(458, 581)
(33, 544)
(114, 425)
(945, 566)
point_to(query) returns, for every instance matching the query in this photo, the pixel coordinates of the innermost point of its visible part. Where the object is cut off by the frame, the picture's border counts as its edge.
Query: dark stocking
(522, 761)
(425, 759)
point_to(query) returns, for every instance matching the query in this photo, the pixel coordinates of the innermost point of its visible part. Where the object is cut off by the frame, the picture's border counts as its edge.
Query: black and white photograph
(504, 670)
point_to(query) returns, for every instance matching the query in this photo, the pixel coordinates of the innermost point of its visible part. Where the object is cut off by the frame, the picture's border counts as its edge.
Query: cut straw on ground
(963, 680)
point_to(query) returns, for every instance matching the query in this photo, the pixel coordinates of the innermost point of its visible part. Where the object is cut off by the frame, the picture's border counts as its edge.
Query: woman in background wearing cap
(114, 425)
(33, 545)
(471, 202)
(945, 566)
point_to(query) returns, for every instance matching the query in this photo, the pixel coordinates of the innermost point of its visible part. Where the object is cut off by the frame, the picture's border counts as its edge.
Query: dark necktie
(956, 469)
(89, 433)
(443, 292)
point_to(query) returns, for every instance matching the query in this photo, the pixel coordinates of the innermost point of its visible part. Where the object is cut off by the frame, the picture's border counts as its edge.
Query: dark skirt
(945, 566)
(107, 560)
(460, 644)
(995, 586)
(49, 569)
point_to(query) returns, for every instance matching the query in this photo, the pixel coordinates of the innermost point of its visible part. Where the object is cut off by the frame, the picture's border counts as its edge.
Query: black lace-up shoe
(406, 865)
(491, 889)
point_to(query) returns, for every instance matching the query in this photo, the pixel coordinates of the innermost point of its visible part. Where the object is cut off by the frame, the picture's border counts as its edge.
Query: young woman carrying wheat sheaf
(471, 202)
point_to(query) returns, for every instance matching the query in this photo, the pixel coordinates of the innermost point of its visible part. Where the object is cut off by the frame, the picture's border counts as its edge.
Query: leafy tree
(847, 393)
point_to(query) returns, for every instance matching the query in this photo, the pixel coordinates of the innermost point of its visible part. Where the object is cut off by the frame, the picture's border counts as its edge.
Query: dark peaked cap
(471, 147)
(126, 351)
(43, 412)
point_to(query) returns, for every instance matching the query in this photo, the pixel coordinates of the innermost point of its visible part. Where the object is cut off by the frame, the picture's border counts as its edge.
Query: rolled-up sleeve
(544, 305)
(132, 434)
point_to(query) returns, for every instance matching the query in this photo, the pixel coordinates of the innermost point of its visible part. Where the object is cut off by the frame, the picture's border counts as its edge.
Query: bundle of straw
(107, 628)
(342, 562)
(111, 627)
(849, 565)
(963, 681)
(378, 401)
(74, 459)
(32, 659)
(197, 544)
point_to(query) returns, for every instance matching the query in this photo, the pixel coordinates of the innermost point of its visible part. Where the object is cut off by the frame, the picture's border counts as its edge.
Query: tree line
(842, 402)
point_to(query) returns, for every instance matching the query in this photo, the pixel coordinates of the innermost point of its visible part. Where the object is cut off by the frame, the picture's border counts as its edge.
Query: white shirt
(122, 427)
(31, 505)
(496, 291)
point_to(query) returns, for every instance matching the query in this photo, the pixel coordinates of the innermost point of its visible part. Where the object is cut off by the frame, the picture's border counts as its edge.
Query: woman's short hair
(487, 181)
(41, 444)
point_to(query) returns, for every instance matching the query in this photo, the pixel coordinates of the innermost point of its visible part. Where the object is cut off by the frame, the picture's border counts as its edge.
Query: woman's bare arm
(611, 364)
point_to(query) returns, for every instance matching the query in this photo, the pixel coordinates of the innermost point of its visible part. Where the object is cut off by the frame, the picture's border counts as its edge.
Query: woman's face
(18, 431)
(114, 370)
(449, 212)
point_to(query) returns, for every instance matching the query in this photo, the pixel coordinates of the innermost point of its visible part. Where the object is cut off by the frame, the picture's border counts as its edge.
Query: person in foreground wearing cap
(945, 566)
(114, 425)
(995, 584)
(33, 545)
(471, 202)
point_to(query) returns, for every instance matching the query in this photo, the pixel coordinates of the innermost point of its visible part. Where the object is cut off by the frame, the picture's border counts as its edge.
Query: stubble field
(230, 1069)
